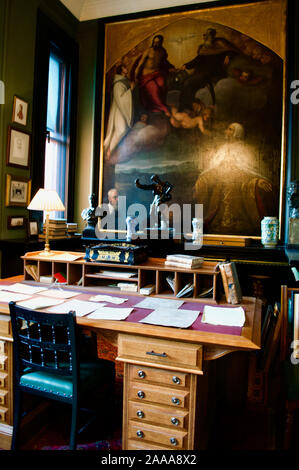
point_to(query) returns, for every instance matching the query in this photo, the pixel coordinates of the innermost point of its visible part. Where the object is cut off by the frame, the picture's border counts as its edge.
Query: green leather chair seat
(291, 372)
(92, 374)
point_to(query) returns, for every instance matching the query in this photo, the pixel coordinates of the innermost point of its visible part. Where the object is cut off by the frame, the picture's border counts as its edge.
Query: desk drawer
(156, 394)
(174, 418)
(139, 445)
(165, 377)
(160, 353)
(172, 438)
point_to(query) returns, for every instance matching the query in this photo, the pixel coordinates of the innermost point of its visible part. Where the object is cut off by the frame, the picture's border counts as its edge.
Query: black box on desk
(122, 253)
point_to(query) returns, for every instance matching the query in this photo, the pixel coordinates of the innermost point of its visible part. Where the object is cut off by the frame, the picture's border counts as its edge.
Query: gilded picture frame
(205, 111)
(18, 191)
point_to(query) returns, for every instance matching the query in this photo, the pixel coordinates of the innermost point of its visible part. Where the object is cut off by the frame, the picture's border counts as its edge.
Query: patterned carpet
(112, 444)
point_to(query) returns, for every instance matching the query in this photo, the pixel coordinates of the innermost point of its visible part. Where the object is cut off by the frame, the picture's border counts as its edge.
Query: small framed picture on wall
(18, 148)
(32, 229)
(18, 221)
(20, 111)
(18, 191)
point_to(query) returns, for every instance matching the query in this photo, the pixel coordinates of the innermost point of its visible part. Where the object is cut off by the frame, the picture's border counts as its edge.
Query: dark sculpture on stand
(89, 216)
(161, 191)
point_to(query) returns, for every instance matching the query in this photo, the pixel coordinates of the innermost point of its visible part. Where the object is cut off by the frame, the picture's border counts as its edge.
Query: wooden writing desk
(164, 373)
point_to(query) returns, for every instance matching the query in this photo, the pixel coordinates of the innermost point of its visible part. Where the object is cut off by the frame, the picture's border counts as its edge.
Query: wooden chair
(263, 362)
(290, 358)
(46, 364)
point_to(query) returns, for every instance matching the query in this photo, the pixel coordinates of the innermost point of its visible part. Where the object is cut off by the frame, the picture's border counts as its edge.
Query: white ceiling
(85, 10)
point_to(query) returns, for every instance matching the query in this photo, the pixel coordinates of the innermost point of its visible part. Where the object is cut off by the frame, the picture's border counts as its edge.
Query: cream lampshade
(46, 200)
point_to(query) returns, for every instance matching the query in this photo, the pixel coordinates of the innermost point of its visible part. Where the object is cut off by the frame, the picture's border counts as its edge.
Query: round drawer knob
(141, 374)
(140, 414)
(140, 394)
(175, 421)
(173, 441)
(175, 401)
(176, 380)
(140, 434)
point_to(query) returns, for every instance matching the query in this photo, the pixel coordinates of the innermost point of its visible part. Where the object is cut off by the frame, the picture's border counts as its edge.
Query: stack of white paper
(223, 316)
(122, 274)
(147, 290)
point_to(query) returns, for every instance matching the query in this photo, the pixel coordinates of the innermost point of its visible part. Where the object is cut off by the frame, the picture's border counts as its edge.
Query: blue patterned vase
(270, 231)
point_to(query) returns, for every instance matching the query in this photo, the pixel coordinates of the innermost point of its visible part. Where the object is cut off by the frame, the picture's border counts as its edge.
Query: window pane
(57, 149)
(53, 93)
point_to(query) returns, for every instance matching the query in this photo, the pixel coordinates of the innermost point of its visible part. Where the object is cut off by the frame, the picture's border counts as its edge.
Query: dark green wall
(17, 53)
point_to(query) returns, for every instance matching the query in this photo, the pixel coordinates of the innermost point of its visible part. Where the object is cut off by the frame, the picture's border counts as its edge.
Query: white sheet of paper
(59, 293)
(123, 274)
(171, 317)
(108, 313)
(223, 316)
(107, 298)
(81, 307)
(24, 288)
(154, 303)
(12, 297)
(39, 302)
(63, 256)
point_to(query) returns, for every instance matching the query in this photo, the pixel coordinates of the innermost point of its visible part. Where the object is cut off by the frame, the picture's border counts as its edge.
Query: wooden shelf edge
(176, 367)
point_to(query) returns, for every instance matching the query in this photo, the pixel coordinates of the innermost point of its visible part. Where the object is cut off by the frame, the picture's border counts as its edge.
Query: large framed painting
(197, 98)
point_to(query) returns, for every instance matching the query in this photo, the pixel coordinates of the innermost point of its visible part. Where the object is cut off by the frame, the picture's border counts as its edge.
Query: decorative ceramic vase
(270, 231)
(131, 224)
(197, 234)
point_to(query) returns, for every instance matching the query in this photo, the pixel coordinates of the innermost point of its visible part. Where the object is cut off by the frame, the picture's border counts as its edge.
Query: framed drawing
(18, 148)
(18, 191)
(20, 111)
(196, 97)
(32, 229)
(16, 222)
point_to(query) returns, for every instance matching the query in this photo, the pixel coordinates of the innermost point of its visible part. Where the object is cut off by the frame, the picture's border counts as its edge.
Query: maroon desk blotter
(140, 313)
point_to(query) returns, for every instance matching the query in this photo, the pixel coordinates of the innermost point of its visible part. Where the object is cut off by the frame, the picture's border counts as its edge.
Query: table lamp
(46, 200)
